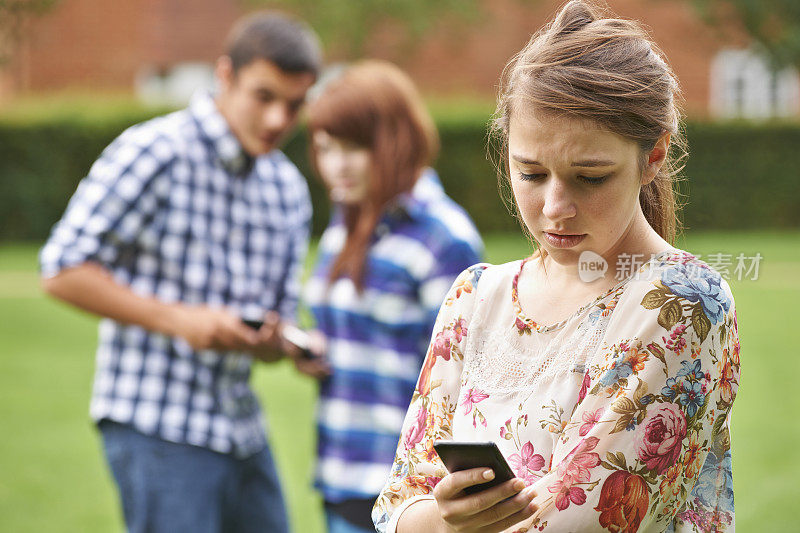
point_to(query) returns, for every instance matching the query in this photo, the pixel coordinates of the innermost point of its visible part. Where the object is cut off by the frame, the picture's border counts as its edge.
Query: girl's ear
(656, 158)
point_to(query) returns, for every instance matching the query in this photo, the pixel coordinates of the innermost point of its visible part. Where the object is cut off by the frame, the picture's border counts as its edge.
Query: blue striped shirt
(377, 339)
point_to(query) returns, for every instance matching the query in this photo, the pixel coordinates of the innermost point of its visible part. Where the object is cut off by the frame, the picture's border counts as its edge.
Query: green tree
(348, 23)
(773, 24)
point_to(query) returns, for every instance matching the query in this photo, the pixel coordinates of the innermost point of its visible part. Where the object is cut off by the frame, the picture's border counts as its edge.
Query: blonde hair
(606, 70)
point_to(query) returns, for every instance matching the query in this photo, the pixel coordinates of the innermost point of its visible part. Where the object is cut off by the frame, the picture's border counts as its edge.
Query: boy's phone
(255, 324)
(458, 456)
(290, 333)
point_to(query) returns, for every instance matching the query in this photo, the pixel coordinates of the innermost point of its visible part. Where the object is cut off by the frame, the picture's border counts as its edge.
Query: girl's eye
(531, 177)
(594, 180)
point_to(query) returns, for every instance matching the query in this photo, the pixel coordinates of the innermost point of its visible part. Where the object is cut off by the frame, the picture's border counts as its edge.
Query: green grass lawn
(53, 478)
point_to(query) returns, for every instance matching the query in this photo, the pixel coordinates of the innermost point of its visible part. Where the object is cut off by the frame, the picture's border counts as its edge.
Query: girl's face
(344, 167)
(576, 185)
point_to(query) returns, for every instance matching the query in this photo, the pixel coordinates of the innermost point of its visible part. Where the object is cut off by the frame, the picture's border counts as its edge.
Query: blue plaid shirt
(176, 210)
(377, 340)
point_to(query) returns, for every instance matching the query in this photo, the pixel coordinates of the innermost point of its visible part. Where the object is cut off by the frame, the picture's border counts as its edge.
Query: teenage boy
(186, 225)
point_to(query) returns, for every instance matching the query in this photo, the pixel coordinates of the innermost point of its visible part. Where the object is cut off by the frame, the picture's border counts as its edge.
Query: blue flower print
(477, 272)
(400, 470)
(594, 315)
(715, 475)
(702, 285)
(690, 370)
(672, 388)
(620, 371)
(691, 396)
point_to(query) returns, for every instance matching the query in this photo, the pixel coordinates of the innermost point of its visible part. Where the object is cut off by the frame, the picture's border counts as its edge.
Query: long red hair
(374, 104)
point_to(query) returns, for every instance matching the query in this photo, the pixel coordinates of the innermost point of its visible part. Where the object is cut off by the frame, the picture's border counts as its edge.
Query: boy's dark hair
(287, 42)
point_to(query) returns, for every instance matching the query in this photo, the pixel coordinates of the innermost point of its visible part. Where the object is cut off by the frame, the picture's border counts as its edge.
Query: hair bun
(574, 16)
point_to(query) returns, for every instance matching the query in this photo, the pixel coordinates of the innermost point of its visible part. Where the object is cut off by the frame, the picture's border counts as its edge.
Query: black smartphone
(255, 324)
(293, 334)
(458, 456)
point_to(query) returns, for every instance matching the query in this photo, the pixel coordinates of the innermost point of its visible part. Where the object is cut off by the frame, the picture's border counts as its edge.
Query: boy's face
(260, 102)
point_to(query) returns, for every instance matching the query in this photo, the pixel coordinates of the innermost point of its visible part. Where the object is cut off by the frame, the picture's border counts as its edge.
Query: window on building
(175, 85)
(744, 85)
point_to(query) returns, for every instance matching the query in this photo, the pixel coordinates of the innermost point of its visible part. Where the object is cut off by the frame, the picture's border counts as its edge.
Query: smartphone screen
(458, 456)
(299, 338)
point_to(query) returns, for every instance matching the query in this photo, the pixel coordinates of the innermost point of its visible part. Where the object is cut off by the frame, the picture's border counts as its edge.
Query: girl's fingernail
(488, 474)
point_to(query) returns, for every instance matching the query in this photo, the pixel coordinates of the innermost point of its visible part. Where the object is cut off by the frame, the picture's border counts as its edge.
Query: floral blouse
(619, 415)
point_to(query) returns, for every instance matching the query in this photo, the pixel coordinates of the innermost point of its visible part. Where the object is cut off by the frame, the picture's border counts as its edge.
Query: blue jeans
(175, 488)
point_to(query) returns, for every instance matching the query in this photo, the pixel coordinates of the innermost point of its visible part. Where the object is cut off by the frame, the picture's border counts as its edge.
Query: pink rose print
(526, 463)
(417, 429)
(589, 421)
(473, 396)
(658, 438)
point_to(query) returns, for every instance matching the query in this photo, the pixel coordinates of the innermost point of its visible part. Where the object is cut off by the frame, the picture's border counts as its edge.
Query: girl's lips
(563, 241)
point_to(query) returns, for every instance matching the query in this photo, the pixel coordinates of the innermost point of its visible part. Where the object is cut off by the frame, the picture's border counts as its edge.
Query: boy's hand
(211, 328)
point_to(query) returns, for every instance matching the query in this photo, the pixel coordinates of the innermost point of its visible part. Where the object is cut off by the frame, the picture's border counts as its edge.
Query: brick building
(157, 46)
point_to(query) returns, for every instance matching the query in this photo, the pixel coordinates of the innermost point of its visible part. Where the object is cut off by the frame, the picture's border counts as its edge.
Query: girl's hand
(491, 510)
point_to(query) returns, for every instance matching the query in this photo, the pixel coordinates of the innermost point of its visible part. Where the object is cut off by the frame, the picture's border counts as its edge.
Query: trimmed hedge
(739, 175)
(743, 176)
